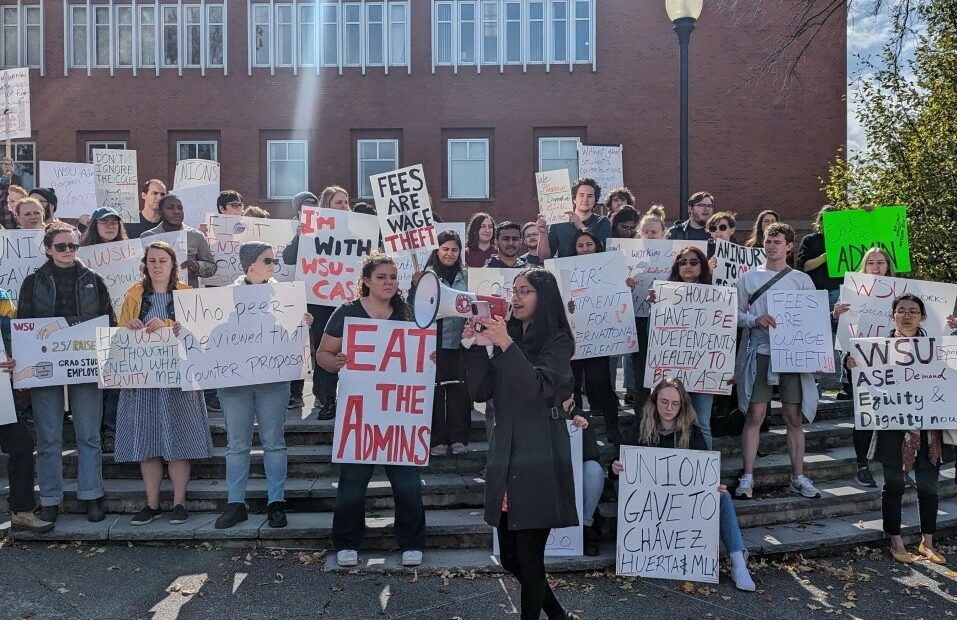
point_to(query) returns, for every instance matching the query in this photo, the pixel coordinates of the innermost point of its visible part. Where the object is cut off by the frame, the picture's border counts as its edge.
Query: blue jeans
(86, 405)
(832, 298)
(728, 529)
(593, 480)
(266, 404)
(702, 406)
(111, 400)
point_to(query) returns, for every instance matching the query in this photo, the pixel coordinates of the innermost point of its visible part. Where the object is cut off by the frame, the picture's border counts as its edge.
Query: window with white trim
(375, 34)
(197, 149)
(124, 36)
(284, 35)
(353, 34)
(147, 42)
(287, 168)
(262, 29)
(307, 35)
(468, 168)
(104, 144)
(21, 44)
(467, 33)
(101, 36)
(329, 34)
(398, 34)
(215, 35)
(375, 157)
(558, 154)
(170, 38)
(78, 36)
(490, 32)
(194, 37)
(25, 163)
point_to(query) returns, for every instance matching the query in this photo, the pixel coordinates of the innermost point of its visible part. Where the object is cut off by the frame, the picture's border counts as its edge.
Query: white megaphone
(434, 300)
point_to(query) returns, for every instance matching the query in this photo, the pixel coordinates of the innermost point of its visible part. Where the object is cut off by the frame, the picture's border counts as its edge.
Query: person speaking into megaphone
(451, 408)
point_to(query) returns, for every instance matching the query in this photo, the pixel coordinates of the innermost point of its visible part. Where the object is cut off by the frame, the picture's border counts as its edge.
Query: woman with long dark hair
(529, 486)
(479, 239)
(761, 223)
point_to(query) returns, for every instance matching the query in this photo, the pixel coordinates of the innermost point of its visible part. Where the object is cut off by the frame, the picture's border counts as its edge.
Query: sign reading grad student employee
(849, 234)
(115, 180)
(51, 352)
(668, 510)
(404, 209)
(905, 383)
(692, 335)
(118, 263)
(801, 338)
(871, 297)
(331, 247)
(602, 163)
(15, 96)
(384, 409)
(74, 186)
(648, 260)
(21, 253)
(733, 260)
(597, 303)
(554, 195)
(225, 233)
(242, 335)
(133, 358)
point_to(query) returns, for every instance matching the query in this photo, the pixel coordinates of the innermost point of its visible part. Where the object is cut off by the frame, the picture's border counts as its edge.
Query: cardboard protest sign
(602, 163)
(801, 338)
(116, 183)
(130, 358)
(870, 298)
(384, 409)
(74, 185)
(242, 335)
(904, 383)
(647, 260)
(21, 253)
(406, 266)
(554, 195)
(492, 281)
(849, 234)
(692, 335)
(199, 201)
(565, 541)
(668, 514)
(15, 94)
(8, 408)
(226, 233)
(118, 263)
(331, 248)
(733, 260)
(405, 210)
(196, 172)
(51, 352)
(597, 303)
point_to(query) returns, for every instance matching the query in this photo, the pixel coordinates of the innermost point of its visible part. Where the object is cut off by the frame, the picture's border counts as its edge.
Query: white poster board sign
(403, 260)
(331, 248)
(226, 233)
(404, 209)
(51, 352)
(693, 335)
(242, 335)
(199, 201)
(733, 260)
(384, 409)
(21, 253)
(870, 298)
(554, 195)
(119, 263)
(130, 358)
(801, 338)
(116, 182)
(15, 87)
(597, 303)
(648, 260)
(668, 514)
(74, 186)
(492, 281)
(602, 163)
(904, 383)
(8, 408)
(196, 172)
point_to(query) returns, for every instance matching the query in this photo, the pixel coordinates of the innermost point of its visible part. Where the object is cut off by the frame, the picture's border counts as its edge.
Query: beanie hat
(300, 198)
(250, 251)
(48, 193)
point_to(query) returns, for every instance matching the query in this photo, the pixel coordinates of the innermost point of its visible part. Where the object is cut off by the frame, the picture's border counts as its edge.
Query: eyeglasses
(109, 221)
(721, 227)
(309, 202)
(907, 313)
(523, 292)
(235, 204)
(689, 262)
(705, 205)
(65, 247)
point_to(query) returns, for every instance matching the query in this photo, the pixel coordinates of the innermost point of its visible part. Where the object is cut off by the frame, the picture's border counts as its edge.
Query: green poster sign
(849, 234)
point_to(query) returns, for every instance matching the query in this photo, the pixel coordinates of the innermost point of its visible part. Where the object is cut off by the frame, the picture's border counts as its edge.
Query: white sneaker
(802, 485)
(347, 558)
(411, 558)
(742, 580)
(745, 487)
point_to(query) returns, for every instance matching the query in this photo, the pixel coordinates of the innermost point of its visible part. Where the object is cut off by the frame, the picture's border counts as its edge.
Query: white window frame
(23, 30)
(302, 23)
(268, 25)
(139, 27)
(324, 9)
(277, 27)
(102, 144)
(392, 21)
(207, 40)
(98, 9)
(116, 29)
(498, 22)
(180, 35)
(347, 7)
(475, 32)
(560, 140)
(269, 162)
(196, 144)
(13, 151)
(528, 32)
(84, 25)
(468, 142)
(195, 9)
(359, 160)
(383, 37)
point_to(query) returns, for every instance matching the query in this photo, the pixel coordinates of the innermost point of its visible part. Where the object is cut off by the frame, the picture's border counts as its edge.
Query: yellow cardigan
(134, 303)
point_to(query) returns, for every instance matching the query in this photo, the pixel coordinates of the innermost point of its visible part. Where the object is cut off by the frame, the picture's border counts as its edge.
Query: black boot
(94, 510)
(592, 536)
(611, 427)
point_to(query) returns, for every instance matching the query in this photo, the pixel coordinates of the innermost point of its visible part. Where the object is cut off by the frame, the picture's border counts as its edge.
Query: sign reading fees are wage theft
(331, 248)
(384, 409)
(801, 337)
(49, 351)
(404, 209)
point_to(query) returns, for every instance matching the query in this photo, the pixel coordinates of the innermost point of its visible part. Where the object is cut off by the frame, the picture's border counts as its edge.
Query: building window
(490, 29)
(202, 149)
(25, 163)
(582, 36)
(21, 47)
(329, 34)
(398, 31)
(262, 27)
(375, 157)
(147, 41)
(124, 36)
(513, 33)
(112, 144)
(101, 36)
(443, 33)
(170, 36)
(353, 34)
(284, 31)
(468, 168)
(535, 54)
(466, 33)
(287, 168)
(375, 37)
(216, 35)
(307, 35)
(194, 37)
(558, 154)
(78, 35)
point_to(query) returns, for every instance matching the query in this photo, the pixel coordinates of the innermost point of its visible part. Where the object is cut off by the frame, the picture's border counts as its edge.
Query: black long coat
(529, 452)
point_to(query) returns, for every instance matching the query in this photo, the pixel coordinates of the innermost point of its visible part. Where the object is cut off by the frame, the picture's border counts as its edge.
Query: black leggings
(862, 443)
(927, 498)
(523, 555)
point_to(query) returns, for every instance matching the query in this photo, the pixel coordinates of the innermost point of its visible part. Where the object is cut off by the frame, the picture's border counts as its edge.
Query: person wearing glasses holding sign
(64, 287)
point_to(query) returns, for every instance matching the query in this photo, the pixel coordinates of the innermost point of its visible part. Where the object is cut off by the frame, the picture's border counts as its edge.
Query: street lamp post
(683, 14)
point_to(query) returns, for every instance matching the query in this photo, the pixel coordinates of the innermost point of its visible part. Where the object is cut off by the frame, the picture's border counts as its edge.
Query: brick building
(295, 95)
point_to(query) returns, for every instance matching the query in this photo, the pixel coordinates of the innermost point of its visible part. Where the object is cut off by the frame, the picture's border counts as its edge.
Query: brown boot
(29, 521)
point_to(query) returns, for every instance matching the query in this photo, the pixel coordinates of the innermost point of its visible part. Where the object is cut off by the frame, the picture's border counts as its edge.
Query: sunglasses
(270, 261)
(65, 247)
(689, 262)
(721, 227)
